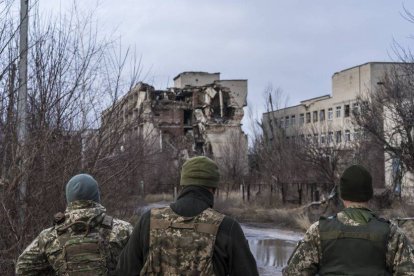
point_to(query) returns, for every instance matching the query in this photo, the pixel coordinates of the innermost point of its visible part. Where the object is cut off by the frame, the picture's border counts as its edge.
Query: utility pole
(22, 104)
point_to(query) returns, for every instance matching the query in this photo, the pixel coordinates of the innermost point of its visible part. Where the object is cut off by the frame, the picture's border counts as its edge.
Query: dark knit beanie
(356, 184)
(200, 171)
(82, 187)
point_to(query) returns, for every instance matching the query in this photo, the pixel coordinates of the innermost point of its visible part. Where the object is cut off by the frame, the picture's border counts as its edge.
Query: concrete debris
(196, 116)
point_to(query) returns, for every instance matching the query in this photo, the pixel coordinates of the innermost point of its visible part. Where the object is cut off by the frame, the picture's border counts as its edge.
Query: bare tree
(68, 90)
(387, 116)
(232, 161)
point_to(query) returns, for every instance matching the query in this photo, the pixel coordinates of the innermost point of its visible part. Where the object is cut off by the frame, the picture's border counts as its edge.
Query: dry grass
(294, 218)
(262, 210)
(268, 209)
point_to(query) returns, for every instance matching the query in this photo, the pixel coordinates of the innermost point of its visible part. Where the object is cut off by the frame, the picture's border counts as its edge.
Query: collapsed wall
(200, 115)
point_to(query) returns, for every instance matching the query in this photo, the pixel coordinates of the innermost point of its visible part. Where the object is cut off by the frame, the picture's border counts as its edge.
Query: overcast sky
(296, 45)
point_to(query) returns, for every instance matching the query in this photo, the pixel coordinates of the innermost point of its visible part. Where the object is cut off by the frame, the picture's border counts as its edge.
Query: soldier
(189, 237)
(354, 241)
(83, 241)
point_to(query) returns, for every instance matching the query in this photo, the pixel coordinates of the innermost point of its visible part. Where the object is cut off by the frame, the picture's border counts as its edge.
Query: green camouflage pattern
(307, 254)
(72, 249)
(181, 247)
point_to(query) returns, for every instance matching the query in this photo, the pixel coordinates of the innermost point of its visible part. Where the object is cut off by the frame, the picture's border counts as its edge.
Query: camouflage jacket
(41, 256)
(307, 256)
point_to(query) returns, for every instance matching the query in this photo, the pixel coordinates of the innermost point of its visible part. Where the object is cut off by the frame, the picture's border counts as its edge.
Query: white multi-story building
(327, 120)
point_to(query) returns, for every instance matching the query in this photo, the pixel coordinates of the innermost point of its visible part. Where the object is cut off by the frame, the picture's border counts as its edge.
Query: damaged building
(200, 115)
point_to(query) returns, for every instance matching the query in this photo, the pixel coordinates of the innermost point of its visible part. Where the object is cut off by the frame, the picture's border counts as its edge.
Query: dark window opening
(315, 116)
(308, 117)
(347, 110)
(322, 115)
(188, 116)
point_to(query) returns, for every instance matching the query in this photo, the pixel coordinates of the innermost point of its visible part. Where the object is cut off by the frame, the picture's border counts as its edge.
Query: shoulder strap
(107, 221)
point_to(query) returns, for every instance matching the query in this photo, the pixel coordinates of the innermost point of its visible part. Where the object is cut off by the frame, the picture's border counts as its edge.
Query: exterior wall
(195, 79)
(238, 93)
(229, 145)
(346, 86)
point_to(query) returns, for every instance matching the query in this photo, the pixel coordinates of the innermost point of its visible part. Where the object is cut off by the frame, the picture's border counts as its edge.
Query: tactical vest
(353, 250)
(84, 248)
(181, 245)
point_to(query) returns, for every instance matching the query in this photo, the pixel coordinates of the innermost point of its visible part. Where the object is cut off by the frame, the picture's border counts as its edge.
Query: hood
(84, 210)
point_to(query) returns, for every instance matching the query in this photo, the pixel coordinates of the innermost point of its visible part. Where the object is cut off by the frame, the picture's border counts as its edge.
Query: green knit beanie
(200, 171)
(82, 187)
(356, 184)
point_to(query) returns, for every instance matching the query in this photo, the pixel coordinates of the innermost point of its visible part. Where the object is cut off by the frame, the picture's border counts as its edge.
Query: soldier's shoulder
(229, 226)
(121, 228)
(48, 233)
(121, 223)
(313, 229)
(395, 230)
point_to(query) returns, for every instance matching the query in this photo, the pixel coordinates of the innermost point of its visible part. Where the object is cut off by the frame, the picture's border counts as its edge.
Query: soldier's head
(200, 171)
(82, 187)
(356, 184)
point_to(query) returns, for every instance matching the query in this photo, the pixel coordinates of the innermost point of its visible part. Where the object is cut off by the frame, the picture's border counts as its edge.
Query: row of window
(316, 115)
(330, 137)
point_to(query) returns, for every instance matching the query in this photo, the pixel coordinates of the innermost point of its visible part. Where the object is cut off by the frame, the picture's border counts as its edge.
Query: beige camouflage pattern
(307, 255)
(46, 253)
(180, 245)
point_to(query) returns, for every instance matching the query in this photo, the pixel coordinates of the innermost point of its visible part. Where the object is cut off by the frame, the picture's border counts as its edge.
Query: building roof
(194, 72)
(319, 98)
(367, 63)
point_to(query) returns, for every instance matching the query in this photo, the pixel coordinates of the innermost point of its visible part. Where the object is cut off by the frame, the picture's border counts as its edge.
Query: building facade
(328, 120)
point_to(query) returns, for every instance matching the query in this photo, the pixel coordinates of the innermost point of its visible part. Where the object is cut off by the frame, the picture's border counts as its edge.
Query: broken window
(198, 148)
(230, 111)
(338, 136)
(346, 110)
(188, 117)
(323, 139)
(308, 117)
(293, 120)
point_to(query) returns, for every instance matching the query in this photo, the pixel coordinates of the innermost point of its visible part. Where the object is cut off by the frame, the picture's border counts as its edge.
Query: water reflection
(271, 247)
(271, 252)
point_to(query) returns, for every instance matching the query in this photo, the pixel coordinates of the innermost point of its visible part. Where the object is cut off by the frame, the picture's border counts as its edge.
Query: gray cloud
(294, 44)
